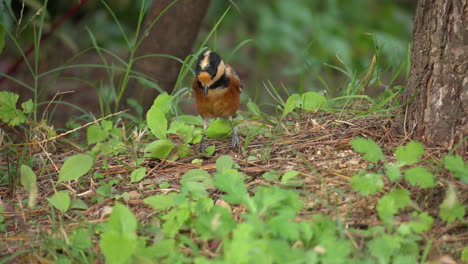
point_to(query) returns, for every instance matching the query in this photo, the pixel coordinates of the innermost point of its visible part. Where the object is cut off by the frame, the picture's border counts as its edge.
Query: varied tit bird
(217, 90)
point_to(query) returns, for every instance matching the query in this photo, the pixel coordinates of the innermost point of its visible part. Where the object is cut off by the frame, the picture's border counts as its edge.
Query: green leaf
(451, 209)
(389, 204)
(196, 182)
(409, 154)
(272, 175)
(175, 219)
(253, 108)
(28, 180)
(78, 204)
(27, 106)
(231, 182)
(393, 173)
(291, 104)
(372, 151)
(119, 240)
(219, 129)
(313, 101)
(190, 119)
(464, 254)
(157, 122)
(122, 219)
(160, 148)
(162, 201)
(421, 222)
(420, 176)
(215, 224)
(163, 102)
(210, 150)
(367, 184)
(224, 163)
(8, 112)
(163, 248)
(456, 165)
(81, 239)
(384, 247)
(74, 167)
(60, 200)
(137, 175)
(95, 134)
(290, 178)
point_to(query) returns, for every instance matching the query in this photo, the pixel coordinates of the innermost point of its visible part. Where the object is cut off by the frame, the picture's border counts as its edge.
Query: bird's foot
(201, 147)
(235, 141)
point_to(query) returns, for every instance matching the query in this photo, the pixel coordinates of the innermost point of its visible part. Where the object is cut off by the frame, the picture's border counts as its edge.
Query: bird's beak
(205, 90)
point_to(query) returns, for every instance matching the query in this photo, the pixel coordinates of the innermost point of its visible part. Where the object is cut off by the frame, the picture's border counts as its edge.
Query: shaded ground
(316, 146)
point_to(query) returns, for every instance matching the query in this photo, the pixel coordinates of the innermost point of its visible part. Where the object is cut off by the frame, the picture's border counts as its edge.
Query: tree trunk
(174, 34)
(437, 89)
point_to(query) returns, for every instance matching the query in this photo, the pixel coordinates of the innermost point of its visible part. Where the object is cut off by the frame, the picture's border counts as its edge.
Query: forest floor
(317, 146)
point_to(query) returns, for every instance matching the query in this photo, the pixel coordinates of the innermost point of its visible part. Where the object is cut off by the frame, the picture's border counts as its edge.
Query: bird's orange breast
(220, 102)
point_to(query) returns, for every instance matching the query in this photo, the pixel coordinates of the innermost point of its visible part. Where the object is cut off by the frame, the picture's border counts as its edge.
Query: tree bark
(174, 34)
(437, 89)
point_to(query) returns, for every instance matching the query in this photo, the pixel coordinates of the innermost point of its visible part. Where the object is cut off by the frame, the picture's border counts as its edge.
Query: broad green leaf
(254, 109)
(190, 119)
(372, 151)
(393, 173)
(464, 255)
(122, 219)
(118, 247)
(175, 219)
(81, 239)
(232, 182)
(162, 201)
(451, 209)
(215, 224)
(157, 122)
(420, 176)
(163, 102)
(210, 150)
(367, 184)
(291, 104)
(290, 178)
(272, 175)
(421, 222)
(60, 200)
(219, 129)
(8, 112)
(196, 181)
(313, 101)
(186, 131)
(389, 204)
(409, 154)
(95, 134)
(162, 248)
(336, 250)
(78, 204)
(28, 180)
(224, 163)
(160, 148)
(384, 247)
(456, 165)
(74, 167)
(27, 106)
(137, 175)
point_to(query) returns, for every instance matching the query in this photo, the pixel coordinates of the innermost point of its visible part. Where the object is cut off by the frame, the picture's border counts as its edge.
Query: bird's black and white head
(210, 69)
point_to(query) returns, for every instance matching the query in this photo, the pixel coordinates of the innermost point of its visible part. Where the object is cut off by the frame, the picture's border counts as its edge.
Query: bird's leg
(235, 138)
(201, 148)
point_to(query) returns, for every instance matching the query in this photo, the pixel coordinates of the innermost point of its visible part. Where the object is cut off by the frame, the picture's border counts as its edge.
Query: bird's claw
(235, 140)
(201, 148)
